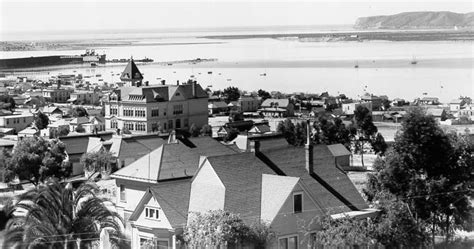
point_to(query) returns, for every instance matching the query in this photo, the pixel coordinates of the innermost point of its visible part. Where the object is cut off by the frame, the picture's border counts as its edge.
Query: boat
(414, 61)
(93, 64)
(210, 72)
(356, 65)
(90, 56)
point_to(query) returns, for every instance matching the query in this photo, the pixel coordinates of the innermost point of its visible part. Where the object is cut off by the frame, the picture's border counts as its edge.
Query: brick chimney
(308, 147)
(193, 87)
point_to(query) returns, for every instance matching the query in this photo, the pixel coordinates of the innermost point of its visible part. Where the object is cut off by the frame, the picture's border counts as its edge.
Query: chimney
(255, 146)
(193, 87)
(177, 82)
(309, 149)
(163, 82)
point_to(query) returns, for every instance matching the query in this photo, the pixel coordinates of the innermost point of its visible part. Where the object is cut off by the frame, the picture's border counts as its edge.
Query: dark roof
(157, 93)
(131, 72)
(138, 146)
(282, 103)
(329, 185)
(241, 175)
(181, 159)
(173, 198)
(75, 145)
(338, 150)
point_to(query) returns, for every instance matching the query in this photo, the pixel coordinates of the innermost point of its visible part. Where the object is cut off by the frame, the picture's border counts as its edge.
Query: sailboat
(414, 61)
(356, 65)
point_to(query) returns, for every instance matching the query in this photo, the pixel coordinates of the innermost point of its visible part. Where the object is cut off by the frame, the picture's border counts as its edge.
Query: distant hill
(417, 20)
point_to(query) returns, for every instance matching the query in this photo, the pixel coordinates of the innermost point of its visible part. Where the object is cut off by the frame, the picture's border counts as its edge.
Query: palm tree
(56, 216)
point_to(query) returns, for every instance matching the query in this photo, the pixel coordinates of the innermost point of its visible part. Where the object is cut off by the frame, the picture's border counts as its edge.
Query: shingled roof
(131, 72)
(173, 160)
(173, 198)
(328, 184)
(241, 175)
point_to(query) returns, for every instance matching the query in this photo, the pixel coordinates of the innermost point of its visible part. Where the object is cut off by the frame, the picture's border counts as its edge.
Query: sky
(70, 15)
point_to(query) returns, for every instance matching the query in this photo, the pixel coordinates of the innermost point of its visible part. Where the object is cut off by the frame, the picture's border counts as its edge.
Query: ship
(89, 57)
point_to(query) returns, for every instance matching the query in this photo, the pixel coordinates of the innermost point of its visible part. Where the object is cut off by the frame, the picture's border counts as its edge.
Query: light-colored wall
(18, 122)
(288, 223)
(207, 191)
(161, 222)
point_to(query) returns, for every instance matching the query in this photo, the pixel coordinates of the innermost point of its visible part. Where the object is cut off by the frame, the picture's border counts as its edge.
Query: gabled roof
(260, 128)
(329, 185)
(135, 146)
(338, 150)
(173, 160)
(241, 175)
(173, 198)
(275, 191)
(82, 144)
(435, 112)
(131, 72)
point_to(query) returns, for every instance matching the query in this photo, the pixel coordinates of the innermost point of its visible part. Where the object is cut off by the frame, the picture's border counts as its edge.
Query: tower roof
(131, 72)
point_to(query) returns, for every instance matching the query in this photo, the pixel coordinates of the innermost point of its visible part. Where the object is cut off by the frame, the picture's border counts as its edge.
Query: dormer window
(152, 213)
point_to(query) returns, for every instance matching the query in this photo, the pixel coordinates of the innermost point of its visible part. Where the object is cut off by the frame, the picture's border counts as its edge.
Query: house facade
(277, 108)
(18, 122)
(57, 95)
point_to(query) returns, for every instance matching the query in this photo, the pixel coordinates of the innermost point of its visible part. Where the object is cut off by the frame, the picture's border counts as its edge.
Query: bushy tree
(41, 120)
(80, 129)
(79, 111)
(264, 94)
(36, 159)
(332, 132)
(98, 161)
(206, 130)
(60, 132)
(294, 134)
(194, 130)
(59, 217)
(231, 94)
(430, 170)
(219, 227)
(7, 102)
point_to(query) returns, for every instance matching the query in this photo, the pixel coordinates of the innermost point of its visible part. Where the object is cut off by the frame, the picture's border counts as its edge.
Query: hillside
(417, 20)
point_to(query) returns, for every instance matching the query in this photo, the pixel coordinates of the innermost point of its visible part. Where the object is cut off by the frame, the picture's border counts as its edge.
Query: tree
(80, 129)
(7, 102)
(264, 94)
(232, 133)
(363, 130)
(219, 227)
(58, 216)
(332, 132)
(342, 232)
(36, 159)
(431, 171)
(378, 144)
(41, 120)
(79, 111)
(194, 130)
(231, 94)
(99, 161)
(287, 129)
(206, 130)
(60, 132)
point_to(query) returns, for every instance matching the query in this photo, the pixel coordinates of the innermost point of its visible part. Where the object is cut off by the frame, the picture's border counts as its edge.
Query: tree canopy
(231, 94)
(430, 170)
(332, 132)
(36, 159)
(41, 120)
(7, 102)
(59, 216)
(98, 161)
(79, 111)
(264, 94)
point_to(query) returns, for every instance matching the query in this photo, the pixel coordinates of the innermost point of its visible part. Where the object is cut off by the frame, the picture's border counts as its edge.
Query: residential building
(249, 103)
(427, 101)
(159, 108)
(172, 160)
(84, 98)
(283, 185)
(439, 114)
(17, 121)
(375, 100)
(277, 108)
(57, 95)
(95, 124)
(341, 154)
(467, 110)
(349, 107)
(217, 107)
(128, 149)
(76, 146)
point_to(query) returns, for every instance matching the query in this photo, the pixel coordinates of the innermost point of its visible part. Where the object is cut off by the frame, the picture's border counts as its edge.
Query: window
(290, 242)
(113, 124)
(186, 123)
(140, 127)
(155, 112)
(298, 203)
(152, 213)
(178, 109)
(113, 111)
(178, 123)
(122, 193)
(139, 113)
(128, 113)
(170, 124)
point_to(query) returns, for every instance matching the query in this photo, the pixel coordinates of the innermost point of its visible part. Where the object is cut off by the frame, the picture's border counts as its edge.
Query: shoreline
(362, 35)
(448, 63)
